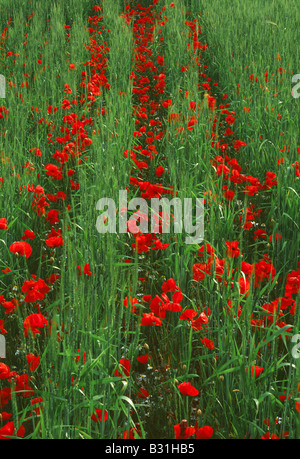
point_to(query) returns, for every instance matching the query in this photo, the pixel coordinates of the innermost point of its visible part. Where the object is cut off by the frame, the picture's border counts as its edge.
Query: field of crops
(149, 219)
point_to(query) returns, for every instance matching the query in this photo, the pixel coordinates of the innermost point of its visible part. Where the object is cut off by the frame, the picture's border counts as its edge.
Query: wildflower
(99, 415)
(187, 389)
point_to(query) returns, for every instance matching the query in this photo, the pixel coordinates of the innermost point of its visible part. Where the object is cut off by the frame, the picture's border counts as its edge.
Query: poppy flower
(4, 371)
(267, 436)
(169, 286)
(33, 361)
(28, 235)
(36, 409)
(144, 358)
(188, 314)
(2, 330)
(35, 289)
(5, 396)
(7, 430)
(177, 297)
(229, 194)
(54, 241)
(52, 217)
(6, 416)
(256, 371)
(86, 269)
(22, 248)
(125, 368)
(157, 307)
(22, 385)
(199, 271)
(132, 433)
(99, 415)
(3, 224)
(167, 103)
(208, 343)
(204, 433)
(201, 319)
(10, 307)
(149, 319)
(66, 104)
(232, 249)
(32, 323)
(142, 393)
(53, 171)
(182, 431)
(187, 389)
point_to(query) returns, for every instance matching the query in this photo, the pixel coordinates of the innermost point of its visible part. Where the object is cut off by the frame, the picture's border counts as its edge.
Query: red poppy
(142, 393)
(255, 370)
(99, 415)
(7, 430)
(22, 386)
(144, 358)
(204, 433)
(208, 343)
(3, 224)
(5, 396)
(22, 248)
(6, 416)
(149, 319)
(10, 307)
(182, 431)
(125, 368)
(2, 330)
(35, 289)
(86, 269)
(54, 241)
(54, 171)
(4, 371)
(33, 361)
(52, 217)
(267, 436)
(201, 319)
(232, 249)
(32, 323)
(36, 409)
(28, 235)
(187, 389)
(169, 286)
(188, 314)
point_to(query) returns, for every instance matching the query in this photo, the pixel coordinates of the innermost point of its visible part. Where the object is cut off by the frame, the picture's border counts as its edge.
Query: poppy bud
(199, 412)
(146, 346)
(221, 378)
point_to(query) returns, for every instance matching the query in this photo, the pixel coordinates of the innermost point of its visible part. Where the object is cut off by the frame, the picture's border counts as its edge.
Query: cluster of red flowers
(75, 136)
(70, 140)
(150, 111)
